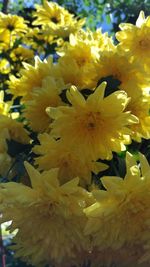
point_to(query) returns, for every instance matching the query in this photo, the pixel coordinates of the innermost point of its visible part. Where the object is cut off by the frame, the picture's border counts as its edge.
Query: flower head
(7, 122)
(31, 78)
(121, 67)
(79, 56)
(43, 97)
(136, 38)
(55, 211)
(56, 20)
(55, 154)
(12, 25)
(139, 106)
(16, 129)
(22, 54)
(96, 126)
(119, 217)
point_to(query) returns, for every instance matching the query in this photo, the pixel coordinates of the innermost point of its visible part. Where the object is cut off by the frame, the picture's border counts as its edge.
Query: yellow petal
(54, 113)
(141, 19)
(50, 178)
(100, 195)
(34, 175)
(130, 160)
(71, 186)
(97, 96)
(98, 167)
(112, 183)
(145, 168)
(75, 97)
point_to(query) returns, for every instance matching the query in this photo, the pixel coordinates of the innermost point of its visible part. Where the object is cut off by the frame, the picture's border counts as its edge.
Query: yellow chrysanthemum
(43, 97)
(119, 65)
(55, 154)
(22, 54)
(97, 41)
(140, 106)
(37, 39)
(72, 74)
(55, 211)
(7, 121)
(79, 57)
(119, 217)
(13, 25)
(96, 126)
(136, 38)
(57, 20)
(31, 78)
(15, 129)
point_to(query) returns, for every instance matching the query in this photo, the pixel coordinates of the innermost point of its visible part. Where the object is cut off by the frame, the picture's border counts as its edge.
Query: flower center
(145, 43)
(10, 27)
(91, 125)
(92, 120)
(81, 61)
(54, 20)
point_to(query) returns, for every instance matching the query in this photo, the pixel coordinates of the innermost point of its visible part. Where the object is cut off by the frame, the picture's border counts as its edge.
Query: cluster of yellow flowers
(76, 114)
(20, 39)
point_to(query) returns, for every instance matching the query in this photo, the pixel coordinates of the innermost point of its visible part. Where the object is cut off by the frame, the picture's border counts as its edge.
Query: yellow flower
(43, 97)
(119, 217)
(13, 26)
(52, 214)
(31, 78)
(73, 75)
(79, 58)
(37, 39)
(136, 38)
(120, 66)
(50, 13)
(22, 54)
(56, 20)
(55, 154)
(94, 42)
(7, 121)
(15, 129)
(81, 48)
(140, 106)
(96, 126)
